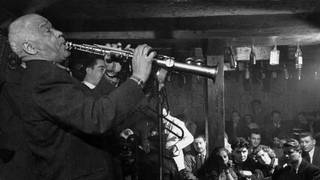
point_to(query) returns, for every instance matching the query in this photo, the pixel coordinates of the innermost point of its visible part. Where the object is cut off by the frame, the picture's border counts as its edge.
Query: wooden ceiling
(236, 22)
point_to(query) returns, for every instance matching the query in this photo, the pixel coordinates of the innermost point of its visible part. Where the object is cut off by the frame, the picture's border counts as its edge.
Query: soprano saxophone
(162, 60)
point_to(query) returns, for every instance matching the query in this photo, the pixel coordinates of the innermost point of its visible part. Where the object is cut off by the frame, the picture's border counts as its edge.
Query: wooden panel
(216, 105)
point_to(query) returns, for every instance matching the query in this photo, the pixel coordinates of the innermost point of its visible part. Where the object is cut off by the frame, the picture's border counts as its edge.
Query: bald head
(33, 37)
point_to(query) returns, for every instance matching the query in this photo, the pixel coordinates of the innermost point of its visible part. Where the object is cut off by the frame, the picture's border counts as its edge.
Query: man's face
(235, 117)
(255, 140)
(248, 119)
(199, 145)
(241, 154)
(263, 157)
(48, 40)
(95, 73)
(291, 156)
(276, 118)
(307, 143)
(302, 119)
(256, 107)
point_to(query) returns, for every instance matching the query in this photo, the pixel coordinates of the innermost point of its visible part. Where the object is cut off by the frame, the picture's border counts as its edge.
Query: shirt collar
(91, 86)
(311, 153)
(203, 154)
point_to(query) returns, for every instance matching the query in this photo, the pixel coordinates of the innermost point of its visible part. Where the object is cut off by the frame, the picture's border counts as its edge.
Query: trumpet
(161, 60)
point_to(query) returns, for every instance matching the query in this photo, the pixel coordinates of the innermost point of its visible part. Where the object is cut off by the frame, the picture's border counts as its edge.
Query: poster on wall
(262, 53)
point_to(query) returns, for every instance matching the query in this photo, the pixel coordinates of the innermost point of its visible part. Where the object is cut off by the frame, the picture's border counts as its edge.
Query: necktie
(306, 156)
(198, 161)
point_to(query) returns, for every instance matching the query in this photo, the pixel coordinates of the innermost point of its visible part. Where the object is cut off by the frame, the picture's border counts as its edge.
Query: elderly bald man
(56, 112)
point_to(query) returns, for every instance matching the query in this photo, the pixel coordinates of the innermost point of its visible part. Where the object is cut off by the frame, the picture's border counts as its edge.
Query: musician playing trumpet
(54, 111)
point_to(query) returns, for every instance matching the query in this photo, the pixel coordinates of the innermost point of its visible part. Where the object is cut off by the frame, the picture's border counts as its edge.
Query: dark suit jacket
(11, 126)
(306, 171)
(316, 156)
(52, 106)
(191, 162)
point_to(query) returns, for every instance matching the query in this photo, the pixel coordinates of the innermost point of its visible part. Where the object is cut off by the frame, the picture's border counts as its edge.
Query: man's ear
(29, 49)
(88, 70)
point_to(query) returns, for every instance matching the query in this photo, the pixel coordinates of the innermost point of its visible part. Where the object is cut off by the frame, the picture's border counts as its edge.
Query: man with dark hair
(275, 128)
(95, 78)
(55, 110)
(266, 160)
(296, 168)
(254, 139)
(194, 160)
(244, 165)
(310, 152)
(258, 112)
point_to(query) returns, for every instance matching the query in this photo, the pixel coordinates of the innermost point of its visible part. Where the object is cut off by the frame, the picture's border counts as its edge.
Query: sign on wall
(243, 53)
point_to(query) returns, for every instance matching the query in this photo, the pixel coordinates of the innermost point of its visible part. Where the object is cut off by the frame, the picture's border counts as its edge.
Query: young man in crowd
(310, 152)
(295, 168)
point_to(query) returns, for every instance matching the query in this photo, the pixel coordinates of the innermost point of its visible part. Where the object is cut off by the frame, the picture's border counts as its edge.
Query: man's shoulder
(41, 69)
(308, 168)
(189, 155)
(316, 149)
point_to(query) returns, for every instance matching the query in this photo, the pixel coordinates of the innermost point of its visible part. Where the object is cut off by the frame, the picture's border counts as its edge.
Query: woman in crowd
(266, 159)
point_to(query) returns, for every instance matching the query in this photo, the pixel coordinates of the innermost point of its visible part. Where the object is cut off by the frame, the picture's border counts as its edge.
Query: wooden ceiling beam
(261, 40)
(106, 10)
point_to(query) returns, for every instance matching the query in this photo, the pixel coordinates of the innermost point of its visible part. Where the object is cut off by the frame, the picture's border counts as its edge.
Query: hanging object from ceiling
(253, 60)
(298, 61)
(274, 56)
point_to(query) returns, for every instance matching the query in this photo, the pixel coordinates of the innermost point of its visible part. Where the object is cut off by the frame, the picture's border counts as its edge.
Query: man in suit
(295, 168)
(54, 110)
(310, 152)
(95, 79)
(275, 128)
(194, 161)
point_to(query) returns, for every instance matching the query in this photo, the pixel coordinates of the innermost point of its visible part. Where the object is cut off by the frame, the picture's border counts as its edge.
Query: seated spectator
(295, 168)
(233, 128)
(258, 112)
(249, 121)
(254, 140)
(195, 159)
(275, 128)
(310, 152)
(224, 169)
(217, 167)
(245, 167)
(302, 124)
(278, 148)
(267, 160)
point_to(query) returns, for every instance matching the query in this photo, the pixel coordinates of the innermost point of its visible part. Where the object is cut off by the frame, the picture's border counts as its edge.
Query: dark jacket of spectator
(306, 171)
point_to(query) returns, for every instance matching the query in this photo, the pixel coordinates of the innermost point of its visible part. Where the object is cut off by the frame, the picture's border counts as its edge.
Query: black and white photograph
(159, 90)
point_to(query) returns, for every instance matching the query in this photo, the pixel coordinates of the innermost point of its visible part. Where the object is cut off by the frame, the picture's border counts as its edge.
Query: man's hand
(142, 62)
